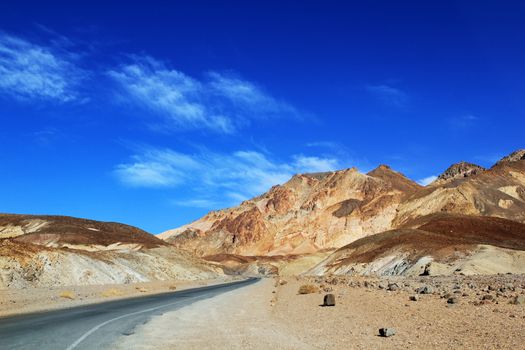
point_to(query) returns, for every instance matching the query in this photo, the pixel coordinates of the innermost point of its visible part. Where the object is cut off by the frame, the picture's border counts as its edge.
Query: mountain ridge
(319, 211)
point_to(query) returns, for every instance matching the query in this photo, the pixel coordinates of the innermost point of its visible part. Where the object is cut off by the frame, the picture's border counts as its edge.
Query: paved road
(97, 326)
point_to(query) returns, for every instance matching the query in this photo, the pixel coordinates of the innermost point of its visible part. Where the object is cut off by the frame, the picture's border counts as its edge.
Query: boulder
(393, 287)
(518, 300)
(452, 300)
(387, 332)
(329, 300)
(425, 290)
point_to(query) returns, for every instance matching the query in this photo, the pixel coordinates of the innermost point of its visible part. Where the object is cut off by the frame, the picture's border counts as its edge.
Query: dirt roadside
(270, 315)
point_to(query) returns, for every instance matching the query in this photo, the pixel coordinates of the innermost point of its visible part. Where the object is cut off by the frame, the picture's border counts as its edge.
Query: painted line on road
(94, 329)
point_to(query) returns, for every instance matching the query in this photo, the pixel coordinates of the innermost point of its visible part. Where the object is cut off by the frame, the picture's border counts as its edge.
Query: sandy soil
(18, 301)
(269, 315)
(240, 319)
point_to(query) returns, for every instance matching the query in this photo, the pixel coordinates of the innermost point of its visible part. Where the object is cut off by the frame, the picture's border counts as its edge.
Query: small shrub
(308, 289)
(113, 292)
(68, 294)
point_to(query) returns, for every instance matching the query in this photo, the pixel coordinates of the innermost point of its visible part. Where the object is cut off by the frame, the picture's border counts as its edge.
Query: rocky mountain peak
(395, 178)
(513, 157)
(460, 170)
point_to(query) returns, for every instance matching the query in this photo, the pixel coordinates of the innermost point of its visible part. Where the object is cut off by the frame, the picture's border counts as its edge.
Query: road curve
(97, 326)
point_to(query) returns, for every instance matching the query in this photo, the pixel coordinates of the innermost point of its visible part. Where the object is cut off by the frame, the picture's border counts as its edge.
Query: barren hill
(56, 250)
(59, 231)
(436, 244)
(308, 213)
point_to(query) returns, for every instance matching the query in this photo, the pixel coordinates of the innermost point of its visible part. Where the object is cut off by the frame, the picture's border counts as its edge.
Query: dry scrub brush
(68, 294)
(308, 289)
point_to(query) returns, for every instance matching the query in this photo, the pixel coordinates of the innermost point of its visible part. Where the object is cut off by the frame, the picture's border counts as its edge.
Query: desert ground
(460, 312)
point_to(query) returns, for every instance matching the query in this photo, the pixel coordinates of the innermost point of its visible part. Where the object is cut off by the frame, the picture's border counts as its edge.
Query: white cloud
(427, 180)
(388, 94)
(325, 144)
(218, 102)
(32, 71)
(315, 164)
(156, 168)
(196, 203)
(214, 177)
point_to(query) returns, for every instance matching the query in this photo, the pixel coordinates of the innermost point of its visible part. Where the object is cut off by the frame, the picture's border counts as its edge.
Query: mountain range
(333, 211)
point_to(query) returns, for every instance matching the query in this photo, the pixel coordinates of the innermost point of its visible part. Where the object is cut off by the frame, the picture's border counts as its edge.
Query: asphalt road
(97, 326)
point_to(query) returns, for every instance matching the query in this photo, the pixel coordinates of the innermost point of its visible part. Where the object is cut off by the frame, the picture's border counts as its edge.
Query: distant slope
(498, 191)
(446, 242)
(64, 230)
(56, 250)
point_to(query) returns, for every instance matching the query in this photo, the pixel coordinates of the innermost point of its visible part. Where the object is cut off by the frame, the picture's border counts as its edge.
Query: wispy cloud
(157, 168)
(315, 164)
(463, 122)
(216, 177)
(388, 94)
(427, 180)
(325, 144)
(197, 203)
(30, 71)
(218, 102)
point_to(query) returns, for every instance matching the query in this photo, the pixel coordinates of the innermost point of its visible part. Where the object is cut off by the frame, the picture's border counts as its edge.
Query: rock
(393, 287)
(426, 271)
(329, 300)
(518, 300)
(425, 290)
(459, 170)
(452, 300)
(487, 297)
(414, 297)
(387, 332)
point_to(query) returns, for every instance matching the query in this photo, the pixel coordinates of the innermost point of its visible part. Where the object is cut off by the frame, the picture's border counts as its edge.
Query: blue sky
(153, 114)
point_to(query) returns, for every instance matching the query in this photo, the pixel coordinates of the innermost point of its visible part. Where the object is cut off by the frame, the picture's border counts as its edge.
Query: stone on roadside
(329, 300)
(387, 332)
(414, 297)
(425, 290)
(452, 300)
(518, 300)
(393, 287)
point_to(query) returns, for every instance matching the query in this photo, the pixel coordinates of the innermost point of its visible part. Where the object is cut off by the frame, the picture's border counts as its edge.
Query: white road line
(94, 329)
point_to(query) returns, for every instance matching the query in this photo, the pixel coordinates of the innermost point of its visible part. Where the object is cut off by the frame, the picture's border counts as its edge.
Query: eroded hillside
(315, 213)
(53, 250)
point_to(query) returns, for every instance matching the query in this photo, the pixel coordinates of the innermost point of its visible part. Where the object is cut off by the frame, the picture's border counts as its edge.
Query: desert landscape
(262, 174)
(441, 265)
